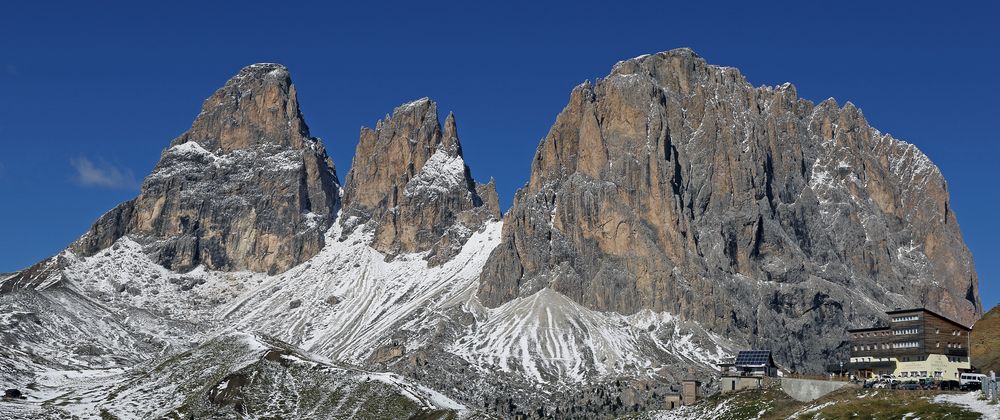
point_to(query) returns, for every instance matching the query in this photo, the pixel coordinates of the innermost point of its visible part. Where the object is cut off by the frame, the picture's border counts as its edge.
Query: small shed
(672, 400)
(755, 363)
(689, 391)
(751, 369)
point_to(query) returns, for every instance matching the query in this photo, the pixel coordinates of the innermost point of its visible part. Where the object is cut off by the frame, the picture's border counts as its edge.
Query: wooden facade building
(916, 344)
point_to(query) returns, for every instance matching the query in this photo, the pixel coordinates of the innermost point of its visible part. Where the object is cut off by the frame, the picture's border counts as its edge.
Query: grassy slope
(986, 342)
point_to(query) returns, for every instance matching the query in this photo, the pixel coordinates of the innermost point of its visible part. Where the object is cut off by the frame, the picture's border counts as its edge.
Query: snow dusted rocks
(409, 178)
(674, 185)
(246, 188)
(674, 214)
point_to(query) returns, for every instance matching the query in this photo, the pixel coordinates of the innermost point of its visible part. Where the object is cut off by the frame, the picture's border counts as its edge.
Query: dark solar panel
(753, 357)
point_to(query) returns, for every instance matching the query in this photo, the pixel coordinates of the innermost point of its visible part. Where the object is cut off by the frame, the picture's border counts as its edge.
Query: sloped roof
(754, 358)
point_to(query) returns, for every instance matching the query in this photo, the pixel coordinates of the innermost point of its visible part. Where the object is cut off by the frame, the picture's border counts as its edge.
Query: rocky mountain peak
(410, 180)
(675, 185)
(246, 188)
(258, 106)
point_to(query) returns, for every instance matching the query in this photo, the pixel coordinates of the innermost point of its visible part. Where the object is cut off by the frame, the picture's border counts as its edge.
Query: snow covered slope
(234, 375)
(348, 302)
(99, 317)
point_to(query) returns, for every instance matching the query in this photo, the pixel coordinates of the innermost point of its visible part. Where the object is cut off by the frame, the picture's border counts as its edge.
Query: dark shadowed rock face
(410, 180)
(675, 185)
(246, 188)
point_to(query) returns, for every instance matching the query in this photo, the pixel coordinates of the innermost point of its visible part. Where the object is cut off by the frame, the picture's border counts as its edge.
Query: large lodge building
(917, 343)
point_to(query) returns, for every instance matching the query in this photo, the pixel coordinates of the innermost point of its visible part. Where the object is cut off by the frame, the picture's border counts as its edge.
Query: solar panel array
(753, 357)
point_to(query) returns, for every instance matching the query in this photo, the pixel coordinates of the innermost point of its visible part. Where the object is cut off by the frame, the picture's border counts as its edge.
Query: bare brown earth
(986, 342)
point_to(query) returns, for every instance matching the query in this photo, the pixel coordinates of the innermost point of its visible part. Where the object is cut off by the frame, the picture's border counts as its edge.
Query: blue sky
(90, 95)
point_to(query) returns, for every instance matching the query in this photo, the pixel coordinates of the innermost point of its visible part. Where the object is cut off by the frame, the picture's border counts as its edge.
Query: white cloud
(102, 174)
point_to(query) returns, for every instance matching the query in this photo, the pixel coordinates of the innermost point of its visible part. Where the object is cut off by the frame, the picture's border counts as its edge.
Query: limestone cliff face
(675, 185)
(410, 180)
(246, 188)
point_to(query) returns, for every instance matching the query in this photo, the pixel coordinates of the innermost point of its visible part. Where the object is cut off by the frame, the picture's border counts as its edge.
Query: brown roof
(903, 311)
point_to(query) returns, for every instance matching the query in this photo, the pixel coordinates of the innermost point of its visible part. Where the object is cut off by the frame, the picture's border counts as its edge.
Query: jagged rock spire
(409, 179)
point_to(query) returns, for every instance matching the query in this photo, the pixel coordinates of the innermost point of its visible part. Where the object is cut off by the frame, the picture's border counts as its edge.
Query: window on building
(923, 373)
(906, 345)
(904, 374)
(938, 373)
(905, 318)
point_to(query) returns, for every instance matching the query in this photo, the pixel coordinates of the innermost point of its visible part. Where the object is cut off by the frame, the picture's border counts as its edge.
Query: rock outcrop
(675, 185)
(246, 188)
(410, 180)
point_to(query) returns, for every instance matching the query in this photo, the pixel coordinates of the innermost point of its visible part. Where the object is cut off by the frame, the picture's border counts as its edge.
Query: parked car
(949, 385)
(971, 381)
(910, 386)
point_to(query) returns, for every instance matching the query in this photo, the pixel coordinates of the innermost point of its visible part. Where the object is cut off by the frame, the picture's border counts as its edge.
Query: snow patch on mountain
(351, 301)
(548, 337)
(442, 172)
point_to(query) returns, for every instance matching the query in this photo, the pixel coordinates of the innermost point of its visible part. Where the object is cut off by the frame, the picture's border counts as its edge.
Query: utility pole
(992, 394)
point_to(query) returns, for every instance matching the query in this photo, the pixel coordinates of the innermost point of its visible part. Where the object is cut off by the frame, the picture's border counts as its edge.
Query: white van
(971, 380)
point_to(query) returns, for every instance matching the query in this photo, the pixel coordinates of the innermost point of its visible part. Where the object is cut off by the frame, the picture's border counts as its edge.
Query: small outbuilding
(758, 363)
(749, 370)
(689, 391)
(672, 400)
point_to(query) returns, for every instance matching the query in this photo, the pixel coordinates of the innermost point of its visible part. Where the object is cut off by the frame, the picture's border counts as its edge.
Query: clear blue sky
(90, 94)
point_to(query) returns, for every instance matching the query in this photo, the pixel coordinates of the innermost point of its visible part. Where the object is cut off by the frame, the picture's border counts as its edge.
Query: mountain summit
(674, 185)
(246, 188)
(410, 180)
